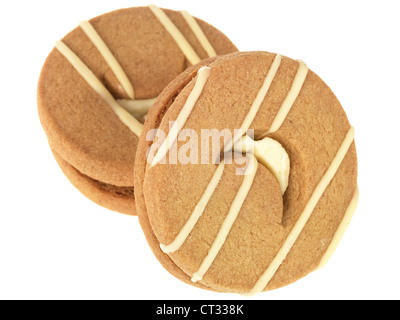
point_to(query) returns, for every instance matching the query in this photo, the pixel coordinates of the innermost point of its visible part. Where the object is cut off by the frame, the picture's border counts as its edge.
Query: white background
(56, 244)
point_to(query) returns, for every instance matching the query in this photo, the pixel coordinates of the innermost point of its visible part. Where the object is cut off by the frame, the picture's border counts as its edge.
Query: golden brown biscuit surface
(312, 133)
(80, 126)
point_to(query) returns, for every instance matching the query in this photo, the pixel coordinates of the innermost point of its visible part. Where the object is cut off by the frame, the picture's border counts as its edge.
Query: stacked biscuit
(132, 103)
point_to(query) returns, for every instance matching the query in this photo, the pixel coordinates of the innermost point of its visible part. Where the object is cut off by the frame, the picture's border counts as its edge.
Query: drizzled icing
(109, 57)
(179, 38)
(305, 215)
(227, 224)
(290, 97)
(288, 102)
(137, 108)
(194, 26)
(127, 110)
(126, 118)
(202, 76)
(340, 230)
(134, 106)
(259, 98)
(197, 212)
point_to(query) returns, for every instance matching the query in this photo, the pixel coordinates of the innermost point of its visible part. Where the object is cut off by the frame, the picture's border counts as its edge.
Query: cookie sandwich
(100, 80)
(266, 205)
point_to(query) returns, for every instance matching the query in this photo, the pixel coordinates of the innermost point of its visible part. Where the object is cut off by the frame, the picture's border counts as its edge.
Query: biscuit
(98, 83)
(219, 230)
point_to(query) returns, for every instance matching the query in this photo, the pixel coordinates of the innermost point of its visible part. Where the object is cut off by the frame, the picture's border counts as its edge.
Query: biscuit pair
(98, 84)
(257, 211)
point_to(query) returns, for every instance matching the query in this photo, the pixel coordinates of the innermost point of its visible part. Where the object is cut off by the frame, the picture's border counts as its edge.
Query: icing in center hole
(271, 155)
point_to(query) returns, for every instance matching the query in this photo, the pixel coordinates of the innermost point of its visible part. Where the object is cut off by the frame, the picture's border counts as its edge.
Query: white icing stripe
(341, 229)
(109, 57)
(202, 76)
(199, 33)
(137, 108)
(259, 98)
(305, 215)
(179, 240)
(290, 97)
(197, 212)
(134, 125)
(226, 226)
(180, 40)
